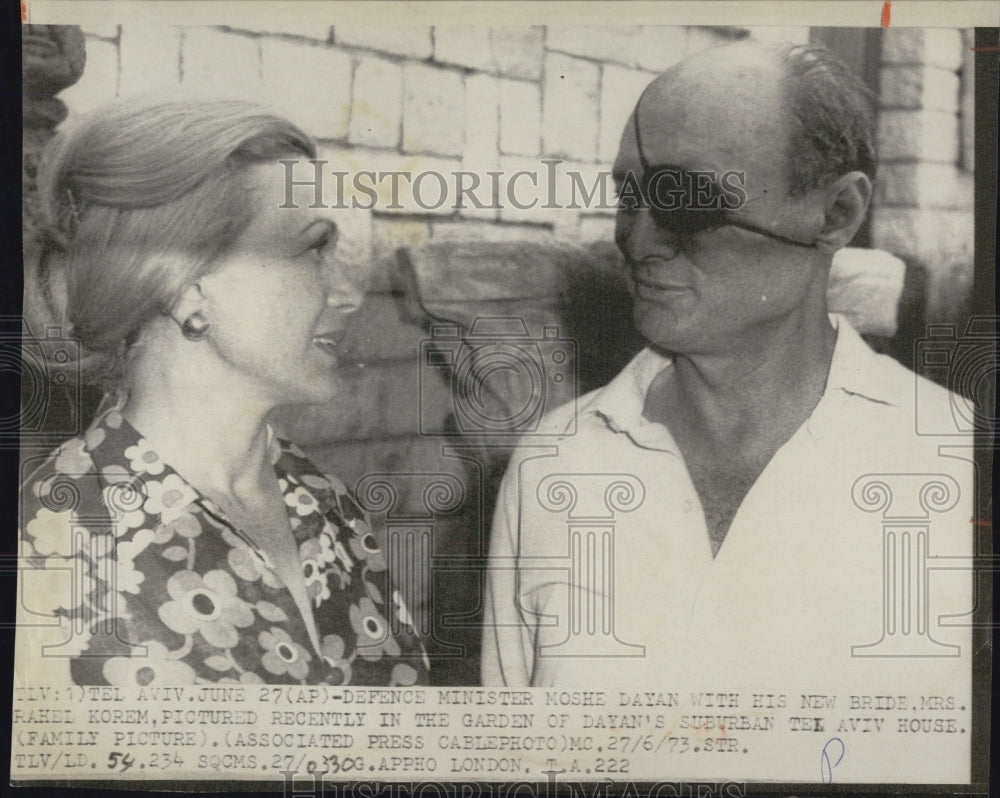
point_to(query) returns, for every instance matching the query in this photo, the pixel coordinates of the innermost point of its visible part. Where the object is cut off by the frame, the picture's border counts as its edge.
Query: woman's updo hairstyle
(142, 196)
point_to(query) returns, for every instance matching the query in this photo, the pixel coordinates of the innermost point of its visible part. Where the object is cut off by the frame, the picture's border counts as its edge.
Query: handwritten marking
(825, 765)
(886, 13)
(991, 49)
(24, 12)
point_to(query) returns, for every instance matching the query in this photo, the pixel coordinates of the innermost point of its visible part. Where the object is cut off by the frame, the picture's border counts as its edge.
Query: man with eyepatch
(743, 550)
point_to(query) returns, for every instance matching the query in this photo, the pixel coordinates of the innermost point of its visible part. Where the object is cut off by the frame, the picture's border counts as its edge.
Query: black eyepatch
(685, 202)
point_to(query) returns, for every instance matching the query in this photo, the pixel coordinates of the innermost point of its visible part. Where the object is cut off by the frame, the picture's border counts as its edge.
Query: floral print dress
(167, 591)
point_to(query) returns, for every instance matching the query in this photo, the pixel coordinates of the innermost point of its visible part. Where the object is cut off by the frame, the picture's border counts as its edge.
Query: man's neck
(751, 392)
(730, 414)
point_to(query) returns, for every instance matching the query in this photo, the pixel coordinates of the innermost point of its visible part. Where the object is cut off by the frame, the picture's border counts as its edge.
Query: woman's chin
(320, 389)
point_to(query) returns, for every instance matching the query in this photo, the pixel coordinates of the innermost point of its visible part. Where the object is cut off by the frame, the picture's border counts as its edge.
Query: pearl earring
(195, 327)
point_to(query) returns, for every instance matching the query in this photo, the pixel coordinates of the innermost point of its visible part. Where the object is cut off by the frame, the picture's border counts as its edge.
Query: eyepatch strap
(638, 135)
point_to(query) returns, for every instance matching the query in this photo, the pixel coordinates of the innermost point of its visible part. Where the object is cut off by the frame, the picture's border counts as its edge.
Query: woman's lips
(328, 341)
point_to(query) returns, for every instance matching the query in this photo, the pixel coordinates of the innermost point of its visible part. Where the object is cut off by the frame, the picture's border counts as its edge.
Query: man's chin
(667, 332)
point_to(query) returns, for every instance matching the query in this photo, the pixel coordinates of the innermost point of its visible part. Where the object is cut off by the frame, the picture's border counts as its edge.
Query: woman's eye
(322, 248)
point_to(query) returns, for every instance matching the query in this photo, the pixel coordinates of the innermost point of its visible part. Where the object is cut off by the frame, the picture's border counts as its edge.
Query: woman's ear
(191, 301)
(844, 211)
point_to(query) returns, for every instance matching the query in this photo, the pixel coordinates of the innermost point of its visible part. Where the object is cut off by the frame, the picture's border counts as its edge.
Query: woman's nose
(345, 291)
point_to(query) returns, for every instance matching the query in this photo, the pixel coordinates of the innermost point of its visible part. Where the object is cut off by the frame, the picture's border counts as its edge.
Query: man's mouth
(643, 283)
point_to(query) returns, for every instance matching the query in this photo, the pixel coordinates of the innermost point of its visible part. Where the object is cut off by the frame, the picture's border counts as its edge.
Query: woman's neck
(214, 435)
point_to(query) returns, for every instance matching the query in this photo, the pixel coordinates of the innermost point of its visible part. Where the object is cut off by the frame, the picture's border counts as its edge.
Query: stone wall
(924, 199)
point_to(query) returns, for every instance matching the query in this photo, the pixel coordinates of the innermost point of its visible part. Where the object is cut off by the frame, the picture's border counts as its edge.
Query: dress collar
(121, 454)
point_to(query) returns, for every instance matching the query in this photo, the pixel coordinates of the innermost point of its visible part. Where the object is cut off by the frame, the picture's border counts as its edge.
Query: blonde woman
(206, 548)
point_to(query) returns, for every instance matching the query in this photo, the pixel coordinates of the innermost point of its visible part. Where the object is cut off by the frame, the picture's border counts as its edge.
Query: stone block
(620, 91)
(377, 110)
(287, 23)
(594, 228)
(948, 292)
(102, 30)
(967, 102)
(865, 286)
(464, 45)
(482, 120)
(482, 135)
(897, 230)
(661, 46)
(524, 191)
(935, 238)
(433, 110)
(412, 41)
(940, 47)
(310, 84)
(924, 185)
(918, 135)
(381, 330)
(612, 43)
(392, 183)
(368, 404)
(461, 230)
(570, 107)
(943, 48)
(585, 188)
(518, 51)
(220, 62)
(902, 86)
(388, 235)
(99, 82)
(520, 117)
(150, 58)
(902, 46)
(914, 87)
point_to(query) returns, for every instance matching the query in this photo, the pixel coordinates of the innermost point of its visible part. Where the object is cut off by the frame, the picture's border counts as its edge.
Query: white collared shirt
(799, 584)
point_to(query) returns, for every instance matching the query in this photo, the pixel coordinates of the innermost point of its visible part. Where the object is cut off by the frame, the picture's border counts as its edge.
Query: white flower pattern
(168, 575)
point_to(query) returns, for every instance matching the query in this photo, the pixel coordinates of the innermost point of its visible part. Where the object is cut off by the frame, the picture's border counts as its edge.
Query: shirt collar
(854, 369)
(621, 402)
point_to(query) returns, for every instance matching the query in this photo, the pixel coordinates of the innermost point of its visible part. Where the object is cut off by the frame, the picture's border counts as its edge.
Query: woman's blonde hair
(142, 196)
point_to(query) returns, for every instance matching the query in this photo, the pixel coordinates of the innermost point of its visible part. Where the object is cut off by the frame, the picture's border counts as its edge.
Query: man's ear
(844, 211)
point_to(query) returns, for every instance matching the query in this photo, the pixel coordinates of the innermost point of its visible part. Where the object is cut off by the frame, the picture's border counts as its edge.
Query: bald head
(748, 96)
(721, 73)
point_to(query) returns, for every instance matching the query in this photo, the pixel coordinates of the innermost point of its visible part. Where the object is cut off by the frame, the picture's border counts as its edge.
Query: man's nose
(648, 239)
